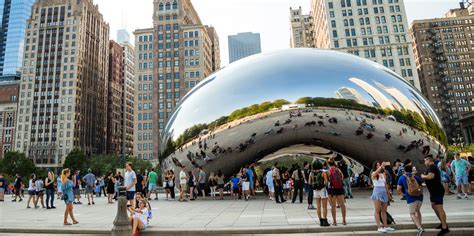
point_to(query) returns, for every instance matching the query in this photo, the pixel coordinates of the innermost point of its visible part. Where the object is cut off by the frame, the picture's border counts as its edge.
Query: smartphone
(386, 163)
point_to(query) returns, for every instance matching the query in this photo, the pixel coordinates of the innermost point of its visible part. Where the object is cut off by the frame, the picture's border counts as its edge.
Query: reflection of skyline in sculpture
(351, 94)
(400, 98)
(381, 100)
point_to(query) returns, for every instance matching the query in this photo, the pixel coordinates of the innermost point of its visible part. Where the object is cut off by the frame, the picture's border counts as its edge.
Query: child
(235, 182)
(97, 188)
(139, 219)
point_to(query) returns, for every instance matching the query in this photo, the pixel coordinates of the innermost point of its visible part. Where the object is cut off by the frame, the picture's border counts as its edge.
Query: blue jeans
(347, 187)
(49, 197)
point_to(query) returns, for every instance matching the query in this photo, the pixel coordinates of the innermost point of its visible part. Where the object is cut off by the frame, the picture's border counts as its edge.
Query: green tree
(77, 160)
(139, 164)
(17, 163)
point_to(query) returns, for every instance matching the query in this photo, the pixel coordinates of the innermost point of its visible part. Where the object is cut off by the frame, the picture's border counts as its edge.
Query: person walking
(77, 187)
(336, 192)
(278, 184)
(460, 169)
(130, 181)
(317, 181)
(432, 178)
(220, 184)
(183, 181)
(380, 195)
(110, 186)
(31, 190)
(90, 181)
(202, 182)
(68, 196)
(410, 184)
(152, 180)
(298, 185)
(49, 185)
(17, 185)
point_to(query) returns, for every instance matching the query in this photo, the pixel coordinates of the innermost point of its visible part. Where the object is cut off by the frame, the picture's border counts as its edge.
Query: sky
(270, 18)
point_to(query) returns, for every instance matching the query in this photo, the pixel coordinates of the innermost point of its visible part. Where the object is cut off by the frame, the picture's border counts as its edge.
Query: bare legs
(338, 200)
(380, 212)
(322, 203)
(68, 211)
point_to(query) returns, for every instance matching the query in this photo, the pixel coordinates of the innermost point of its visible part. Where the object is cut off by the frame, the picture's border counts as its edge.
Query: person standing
(110, 186)
(212, 185)
(202, 182)
(3, 187)
(460, 168)
(58, 186)
(298, 185)
(183, 180)
(49, 185)
(68, 195)
(445, 176)
(278, 184)
(31, 190)
(39, 184)
(308, 188)
(317, 181)
(380, 195)
(171, 180)
(77, 187)
(346, 179)
(192, 186)
(410, 184)
(245, 184)
(140, 183)
(17, 185)
(336, 192)
(102, 186)
(130, 181)
(152, 179)
(269, 182)
(90, 181)
(220, 184)
(432, 178)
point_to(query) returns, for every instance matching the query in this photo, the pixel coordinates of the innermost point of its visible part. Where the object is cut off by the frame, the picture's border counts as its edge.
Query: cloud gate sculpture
(334, 103)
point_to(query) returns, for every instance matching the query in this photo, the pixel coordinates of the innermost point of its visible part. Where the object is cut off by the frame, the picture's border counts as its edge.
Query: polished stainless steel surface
(332, 100)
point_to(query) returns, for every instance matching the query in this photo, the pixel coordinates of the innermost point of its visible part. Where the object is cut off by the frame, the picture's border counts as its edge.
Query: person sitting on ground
(139, 219)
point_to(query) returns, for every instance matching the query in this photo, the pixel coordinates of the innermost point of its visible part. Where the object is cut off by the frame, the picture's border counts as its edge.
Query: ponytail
(64, 172)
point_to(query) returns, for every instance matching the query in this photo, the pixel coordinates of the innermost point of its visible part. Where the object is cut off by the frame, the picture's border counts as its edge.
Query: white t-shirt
(143, 217)
(129, 177)
(31, 186)
(182, 177)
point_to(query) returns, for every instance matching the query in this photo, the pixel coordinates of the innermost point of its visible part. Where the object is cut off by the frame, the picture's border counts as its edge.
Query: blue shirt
(250, 173)
(77, 182)
(235, 182)
(67, 190)
(460, 167)
(403, 182)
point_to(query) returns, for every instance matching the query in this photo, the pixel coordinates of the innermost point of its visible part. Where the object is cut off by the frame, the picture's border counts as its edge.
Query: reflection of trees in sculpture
(410, 118)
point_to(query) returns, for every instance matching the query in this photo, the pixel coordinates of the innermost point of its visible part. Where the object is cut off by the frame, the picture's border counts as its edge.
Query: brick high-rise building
(444, 53)
(372, 29)
(63, 93)
(114, 104)
(302, 29)
(9, 91)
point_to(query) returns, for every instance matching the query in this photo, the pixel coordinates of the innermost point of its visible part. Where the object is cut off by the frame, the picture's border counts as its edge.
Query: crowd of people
(328, 183)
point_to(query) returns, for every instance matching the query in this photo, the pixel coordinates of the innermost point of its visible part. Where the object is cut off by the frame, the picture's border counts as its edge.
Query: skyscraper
(8, 112)
(63, 94)
(123, 36)
(302, 29)
(184, 52)
(444, 52)
(373, 29)
(128, 97)
(14, 15)
(114, 103)
(243, 45)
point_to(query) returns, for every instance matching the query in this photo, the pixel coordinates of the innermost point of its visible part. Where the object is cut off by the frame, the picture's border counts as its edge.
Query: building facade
(14, 15)
(243, 45)
(302, 29)
(114, 103)
(373, 29)
(63, 93)
(123, 36)
(9, 91)
(144, 95)
(444, 53)
(128, 97)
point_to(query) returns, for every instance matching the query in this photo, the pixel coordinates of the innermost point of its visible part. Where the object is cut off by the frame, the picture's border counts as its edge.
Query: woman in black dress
(110, 187)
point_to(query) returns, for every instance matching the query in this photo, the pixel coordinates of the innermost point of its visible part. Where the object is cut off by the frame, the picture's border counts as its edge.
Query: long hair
(374, 168)
(64, 178)
(443, 166)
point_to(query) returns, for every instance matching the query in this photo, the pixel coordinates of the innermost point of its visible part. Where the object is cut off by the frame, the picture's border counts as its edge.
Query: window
(330, 5)
(334, 33)
(333, 23)
(336, 44)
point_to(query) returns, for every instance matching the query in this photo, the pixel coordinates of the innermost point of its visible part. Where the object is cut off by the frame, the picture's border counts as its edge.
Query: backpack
(318, 180)
(335, 178)
(414, 189)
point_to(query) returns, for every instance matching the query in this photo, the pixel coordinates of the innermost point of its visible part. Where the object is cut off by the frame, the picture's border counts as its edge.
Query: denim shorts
(130, 195)
(462, 179)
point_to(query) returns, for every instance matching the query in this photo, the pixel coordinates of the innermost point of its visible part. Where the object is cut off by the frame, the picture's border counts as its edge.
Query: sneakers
(443, 232)
(382, 230)
(311, 207)
(466, 197)
(420, 232)
(458, 196)
(389, 229)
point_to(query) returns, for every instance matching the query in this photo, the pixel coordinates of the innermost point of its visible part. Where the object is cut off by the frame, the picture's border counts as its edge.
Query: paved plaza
(209, 215)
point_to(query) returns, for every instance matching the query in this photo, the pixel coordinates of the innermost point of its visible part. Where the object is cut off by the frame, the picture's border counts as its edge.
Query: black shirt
(18, 182)
(344, 170)
(434, 185)
(50, 186)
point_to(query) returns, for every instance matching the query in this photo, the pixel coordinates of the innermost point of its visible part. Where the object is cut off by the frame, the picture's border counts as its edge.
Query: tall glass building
(243, 45)
(13, 16)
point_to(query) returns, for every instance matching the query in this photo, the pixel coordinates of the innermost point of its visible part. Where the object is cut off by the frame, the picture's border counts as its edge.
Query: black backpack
(318, 180)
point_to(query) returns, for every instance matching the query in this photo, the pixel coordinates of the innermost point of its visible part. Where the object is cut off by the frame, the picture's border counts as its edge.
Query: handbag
(64, 197)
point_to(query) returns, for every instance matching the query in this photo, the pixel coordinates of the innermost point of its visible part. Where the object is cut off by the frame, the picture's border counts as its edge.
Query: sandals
(67, 223)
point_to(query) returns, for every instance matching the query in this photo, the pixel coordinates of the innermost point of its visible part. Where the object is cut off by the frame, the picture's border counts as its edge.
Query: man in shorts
(89, 179)
(460, 168)
(414, 202)
(152, 179)
(76, 188)
(202, 182)
(183, 180)
(432, 178)
(245, 184)
(130, 181)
